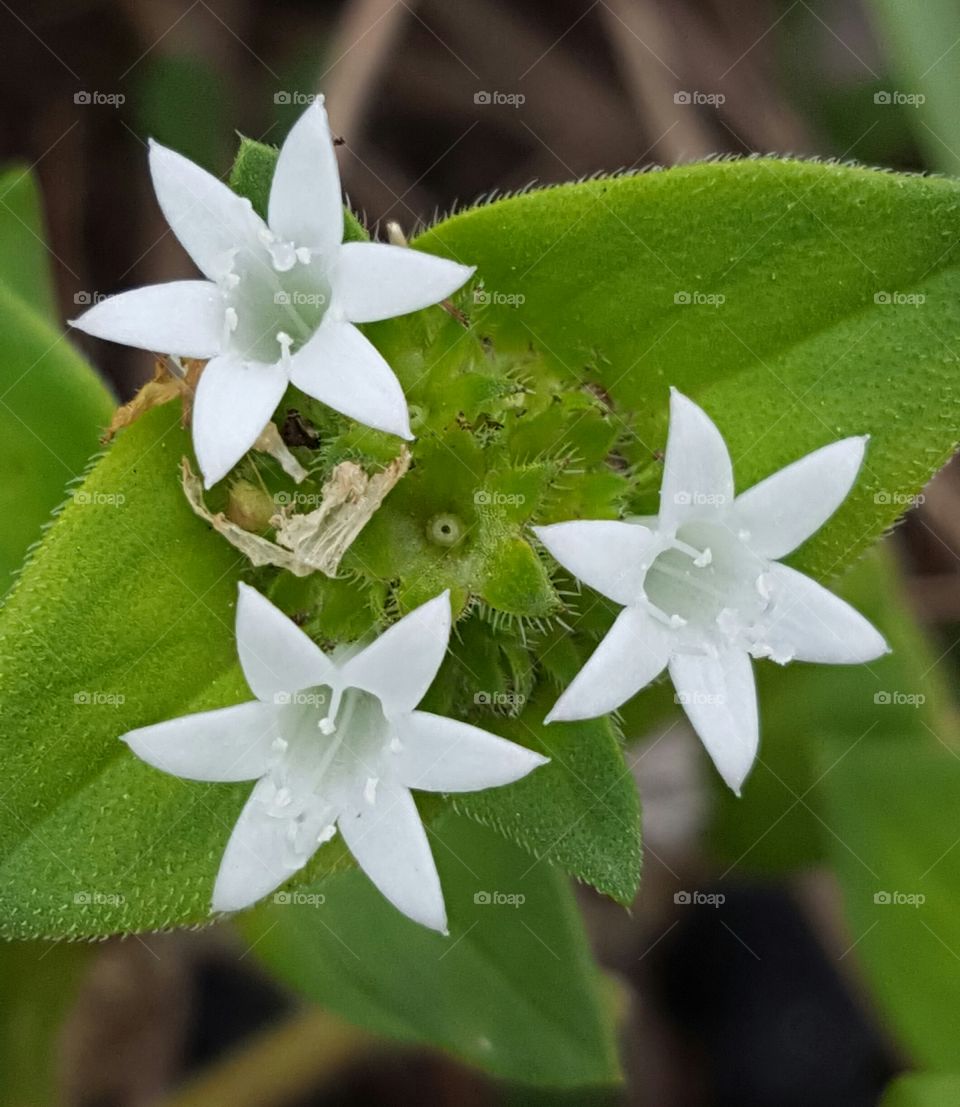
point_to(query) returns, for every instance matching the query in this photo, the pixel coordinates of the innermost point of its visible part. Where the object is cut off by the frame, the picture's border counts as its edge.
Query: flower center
(277, 296)
(445, 530)
(707, 579)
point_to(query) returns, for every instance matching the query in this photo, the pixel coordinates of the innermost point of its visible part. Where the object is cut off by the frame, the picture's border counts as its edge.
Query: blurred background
(755, 999)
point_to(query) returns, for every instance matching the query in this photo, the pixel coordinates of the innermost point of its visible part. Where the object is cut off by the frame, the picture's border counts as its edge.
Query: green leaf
(52, 408)
(123, 617)
(252, 174)
(24, 257)
(512, 989)
(926, 72)
(581, 811)
(890, 807)
(618, 281)
(923, 1089)
(52, 404)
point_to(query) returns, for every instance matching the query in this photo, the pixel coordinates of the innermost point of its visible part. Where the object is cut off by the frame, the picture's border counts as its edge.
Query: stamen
(285, 343)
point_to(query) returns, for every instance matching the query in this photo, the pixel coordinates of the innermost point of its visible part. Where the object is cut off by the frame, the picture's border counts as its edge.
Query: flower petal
(374, 281)
(806, 622)
(442, 755)
(263, 852)
(697, 472)
(720, 699)
(785, 509)
(634, 651)
(306, 206)
(341, 368)
(608, 556)
(402, 663)
(210, 220)
(232, 405)
(183, 318)
(389, 843)
(233, 743)
(275, 654)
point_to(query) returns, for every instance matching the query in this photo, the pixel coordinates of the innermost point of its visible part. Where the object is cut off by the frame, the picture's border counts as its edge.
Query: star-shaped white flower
(703, 591)
(334, 745)
(280, 300)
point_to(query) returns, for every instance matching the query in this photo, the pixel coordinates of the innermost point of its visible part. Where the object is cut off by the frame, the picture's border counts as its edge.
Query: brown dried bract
(166, 385)
(314, 541)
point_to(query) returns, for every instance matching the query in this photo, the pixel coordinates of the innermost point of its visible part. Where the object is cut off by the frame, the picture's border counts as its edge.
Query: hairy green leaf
(798, 302)
(52, 404)
(511, 989)
(124, 617)
(923, 1089)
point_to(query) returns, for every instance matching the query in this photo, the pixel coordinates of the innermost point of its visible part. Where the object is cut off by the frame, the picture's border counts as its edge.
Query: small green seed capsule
(249, 506)
(445, 530)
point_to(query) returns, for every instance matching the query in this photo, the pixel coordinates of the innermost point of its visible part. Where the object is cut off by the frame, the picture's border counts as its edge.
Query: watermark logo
(899, 899)
(899, 499)
(693, 699)
(99, 499)
(897, 97)
(83, 298)
(499, 899)
(699, 899)
(699, 499)
(99, 699)
(484, 498)
(511, 700)
(501, 299)
(95, 98)
(299, 899)
(508, 99)
(696, 97)
(899, 299)
(98, 899)
(299, 299)
(899, 699)
(300, 699)
(294, 96)
(696, 298)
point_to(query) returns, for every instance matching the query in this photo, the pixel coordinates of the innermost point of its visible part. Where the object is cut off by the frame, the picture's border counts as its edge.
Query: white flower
(703, 591)
(334, 745)
(280, 299)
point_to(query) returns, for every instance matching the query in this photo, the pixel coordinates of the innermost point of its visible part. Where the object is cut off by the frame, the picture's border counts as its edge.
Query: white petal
(402, 663)
(183, 318)
(806, 622)
(390, 845)
(345, 371)
(697, 473)
(262, 853)
(634, 651)
(608, 556)
(720, 699)
(275, 654)
(233, 403)
(785, 509)
(442, 755)
(210, 220)
(374, 281)
(232, 743)
(305, 202)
